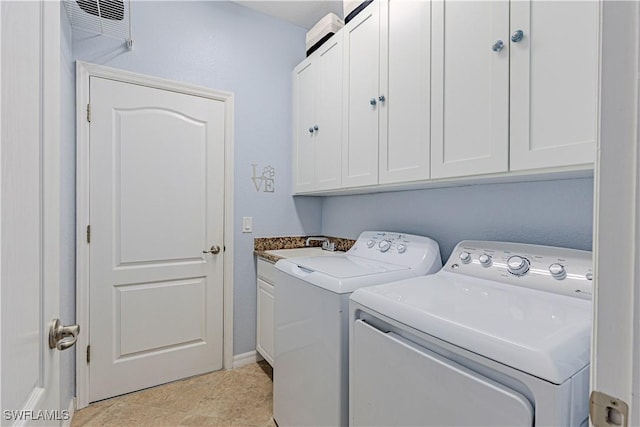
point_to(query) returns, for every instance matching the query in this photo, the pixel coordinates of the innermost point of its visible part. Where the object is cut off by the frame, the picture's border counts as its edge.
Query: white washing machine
(499, 337)
(310, 375)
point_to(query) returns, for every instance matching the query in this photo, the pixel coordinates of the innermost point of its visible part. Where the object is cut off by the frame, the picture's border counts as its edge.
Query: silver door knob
(381, 98)
(517, 36)
(214, 250)
(315, 127)
(373, 101)
(310, 130)
(62, 337)
(497, 46)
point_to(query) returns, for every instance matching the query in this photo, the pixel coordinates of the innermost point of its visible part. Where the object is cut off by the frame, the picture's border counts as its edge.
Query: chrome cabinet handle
(517, 36)
(497, 46)
(310, 130)
(381, 98)
(214, 250)
(373, 101)
(62, 337)
(315, 127)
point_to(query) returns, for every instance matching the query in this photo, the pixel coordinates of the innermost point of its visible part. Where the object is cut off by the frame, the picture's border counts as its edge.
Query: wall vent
(106, 17)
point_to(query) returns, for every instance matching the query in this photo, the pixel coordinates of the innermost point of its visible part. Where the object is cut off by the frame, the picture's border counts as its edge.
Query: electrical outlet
(247, 224)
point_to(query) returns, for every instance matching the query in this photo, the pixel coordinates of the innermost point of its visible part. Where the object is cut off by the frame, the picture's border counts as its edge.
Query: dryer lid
(543, 334)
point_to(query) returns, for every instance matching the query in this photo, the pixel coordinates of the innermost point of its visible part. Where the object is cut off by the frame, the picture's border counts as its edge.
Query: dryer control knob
(402, 248)
(370, 243)
(465, 257)
(517, 265)
(485, 260)
(557, 271)
(384, 245)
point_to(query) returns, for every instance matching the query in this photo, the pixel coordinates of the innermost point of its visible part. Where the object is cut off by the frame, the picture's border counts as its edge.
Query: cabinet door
(554, 83)
(361, 79)
(470, 88)
(405, 115)
(329, 94)
(265, 327)
(304, 91)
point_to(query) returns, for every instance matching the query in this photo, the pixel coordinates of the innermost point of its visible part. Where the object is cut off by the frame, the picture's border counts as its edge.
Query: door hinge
(88, 353)
(605, 410)
(88, 234)
(89, 113)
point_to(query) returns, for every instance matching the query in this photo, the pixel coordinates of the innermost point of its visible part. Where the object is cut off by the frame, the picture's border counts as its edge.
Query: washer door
(420, 388)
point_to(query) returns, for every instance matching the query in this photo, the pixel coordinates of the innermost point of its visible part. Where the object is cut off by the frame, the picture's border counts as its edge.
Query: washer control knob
(384, 245)
(485, 260)
(402, 248)
(465, 257)
(370, 244)
(517, 265)
(557, 271)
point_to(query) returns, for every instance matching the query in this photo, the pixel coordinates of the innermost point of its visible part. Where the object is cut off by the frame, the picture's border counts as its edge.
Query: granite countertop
(263, 244)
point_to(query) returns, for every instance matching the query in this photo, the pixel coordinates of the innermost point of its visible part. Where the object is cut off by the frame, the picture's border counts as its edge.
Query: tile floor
(237, 397)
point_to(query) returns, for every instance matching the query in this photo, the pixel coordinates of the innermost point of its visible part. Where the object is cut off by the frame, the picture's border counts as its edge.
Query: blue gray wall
(224, 46)
(67, 204)
(555, 213)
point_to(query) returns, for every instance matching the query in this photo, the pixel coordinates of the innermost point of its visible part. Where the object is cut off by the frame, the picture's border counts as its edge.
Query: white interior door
(30, 217)
(156, 203)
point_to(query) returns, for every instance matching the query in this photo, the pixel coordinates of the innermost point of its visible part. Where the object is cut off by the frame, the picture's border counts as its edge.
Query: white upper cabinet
(317, 116)
(405, 36)
(554, 83)
(470, 88)
(361, 98)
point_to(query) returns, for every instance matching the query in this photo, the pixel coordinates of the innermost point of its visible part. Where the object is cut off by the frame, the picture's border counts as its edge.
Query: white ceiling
(304, 13)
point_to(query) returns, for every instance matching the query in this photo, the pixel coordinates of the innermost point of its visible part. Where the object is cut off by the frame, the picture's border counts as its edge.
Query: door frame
(615, 348)
(84, 71)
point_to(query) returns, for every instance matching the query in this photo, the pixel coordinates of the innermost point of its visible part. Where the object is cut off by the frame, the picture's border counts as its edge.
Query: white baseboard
(246, 358)
(72, 411)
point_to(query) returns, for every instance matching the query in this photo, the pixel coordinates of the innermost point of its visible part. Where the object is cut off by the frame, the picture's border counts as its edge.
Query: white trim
(240, 360)
(616, 212)
(84, 71)
(72, 412)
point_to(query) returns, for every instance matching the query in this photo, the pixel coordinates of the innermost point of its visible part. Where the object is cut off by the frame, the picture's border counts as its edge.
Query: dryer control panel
(559, 270)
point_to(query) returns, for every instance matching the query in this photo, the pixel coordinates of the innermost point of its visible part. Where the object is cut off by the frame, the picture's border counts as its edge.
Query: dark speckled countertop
(262, 244)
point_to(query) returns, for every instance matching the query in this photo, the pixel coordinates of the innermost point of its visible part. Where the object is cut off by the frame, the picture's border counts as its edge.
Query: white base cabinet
(265, 326)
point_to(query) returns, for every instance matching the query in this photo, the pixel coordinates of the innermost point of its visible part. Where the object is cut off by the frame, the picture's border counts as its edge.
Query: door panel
(178, 206)
(156, 202)
(470, 88)
(30, 211)
(420, 388)
(362, 58)
(554, 83)
(404, 148)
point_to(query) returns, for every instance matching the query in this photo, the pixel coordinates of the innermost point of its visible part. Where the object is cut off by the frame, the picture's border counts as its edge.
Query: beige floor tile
(132, 415)
(238, 397)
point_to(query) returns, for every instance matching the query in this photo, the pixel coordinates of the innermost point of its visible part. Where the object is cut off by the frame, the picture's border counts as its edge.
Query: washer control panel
(396, 248)
(552, 269)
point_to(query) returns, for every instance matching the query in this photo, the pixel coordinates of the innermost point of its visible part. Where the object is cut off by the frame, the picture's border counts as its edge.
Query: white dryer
(310, 375)
(500, 336)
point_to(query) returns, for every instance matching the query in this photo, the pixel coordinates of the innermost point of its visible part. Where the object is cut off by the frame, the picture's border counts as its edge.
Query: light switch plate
(247, 224)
